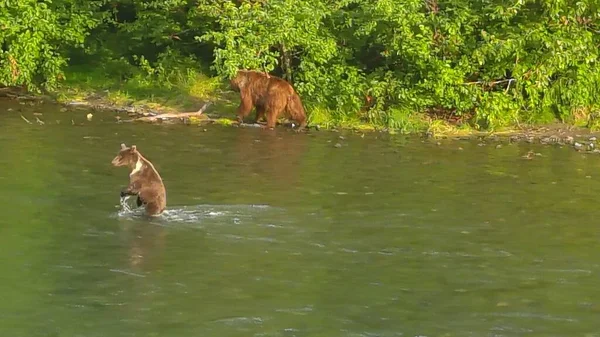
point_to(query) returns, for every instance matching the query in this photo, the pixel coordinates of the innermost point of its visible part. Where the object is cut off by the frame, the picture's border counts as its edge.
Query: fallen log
(166, 116)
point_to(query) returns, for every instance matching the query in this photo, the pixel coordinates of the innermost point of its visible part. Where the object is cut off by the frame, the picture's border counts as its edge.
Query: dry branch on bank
(167, 116)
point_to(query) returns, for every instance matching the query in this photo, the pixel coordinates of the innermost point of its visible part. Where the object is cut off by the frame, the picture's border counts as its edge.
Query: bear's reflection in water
(272, 158)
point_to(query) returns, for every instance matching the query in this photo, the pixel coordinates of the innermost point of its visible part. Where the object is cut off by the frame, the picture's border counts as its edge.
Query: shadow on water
(272, 157)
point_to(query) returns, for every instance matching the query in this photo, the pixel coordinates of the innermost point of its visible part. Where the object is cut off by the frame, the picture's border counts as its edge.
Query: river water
(285, 234)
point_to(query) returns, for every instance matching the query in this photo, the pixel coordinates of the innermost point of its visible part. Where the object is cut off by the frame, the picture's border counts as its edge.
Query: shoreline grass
(180, 92)
(183, 91)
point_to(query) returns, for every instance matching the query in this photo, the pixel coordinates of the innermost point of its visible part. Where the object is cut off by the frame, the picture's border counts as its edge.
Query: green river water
(285, 234)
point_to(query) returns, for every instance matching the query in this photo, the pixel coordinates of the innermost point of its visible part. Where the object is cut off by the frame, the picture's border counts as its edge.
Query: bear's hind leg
(153, 209)
(260, 113)
(272, 111)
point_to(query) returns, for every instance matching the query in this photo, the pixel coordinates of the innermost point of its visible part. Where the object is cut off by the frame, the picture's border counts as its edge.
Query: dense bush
(502, 62)
(34, 36)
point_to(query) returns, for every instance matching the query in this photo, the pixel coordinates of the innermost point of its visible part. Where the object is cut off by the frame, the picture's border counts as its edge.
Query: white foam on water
(129, 209)
(235, 214)
(125, 205)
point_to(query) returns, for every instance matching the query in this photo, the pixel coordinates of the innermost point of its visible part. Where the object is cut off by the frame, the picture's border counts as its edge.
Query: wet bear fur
(144, 180)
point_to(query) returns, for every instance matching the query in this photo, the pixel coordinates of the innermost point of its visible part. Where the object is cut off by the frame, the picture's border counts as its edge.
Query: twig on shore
(25, 119)
(204, 107)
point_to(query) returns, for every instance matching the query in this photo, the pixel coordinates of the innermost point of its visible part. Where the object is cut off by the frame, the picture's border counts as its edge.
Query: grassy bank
(186, 91)
(179, 91)
(175, 93)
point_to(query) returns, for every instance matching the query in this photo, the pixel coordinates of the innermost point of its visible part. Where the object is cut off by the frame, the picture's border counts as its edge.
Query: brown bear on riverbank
(270, 95)
(144, 180)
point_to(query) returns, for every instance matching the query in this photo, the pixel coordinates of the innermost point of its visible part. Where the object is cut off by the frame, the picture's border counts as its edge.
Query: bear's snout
(116, 161)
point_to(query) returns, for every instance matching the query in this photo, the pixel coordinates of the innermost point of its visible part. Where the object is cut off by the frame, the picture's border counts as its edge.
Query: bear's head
(128, 156)
(239, 81)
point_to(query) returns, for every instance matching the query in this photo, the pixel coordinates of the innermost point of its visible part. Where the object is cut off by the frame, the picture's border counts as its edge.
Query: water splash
(125, 207)
(235, 214)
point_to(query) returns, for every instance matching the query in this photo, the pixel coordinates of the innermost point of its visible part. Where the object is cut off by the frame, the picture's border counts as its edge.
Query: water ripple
(545, 317)
(240, 320)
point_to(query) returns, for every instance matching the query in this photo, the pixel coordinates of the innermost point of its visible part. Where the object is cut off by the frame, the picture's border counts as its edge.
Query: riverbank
(194, 98)
(201, 99)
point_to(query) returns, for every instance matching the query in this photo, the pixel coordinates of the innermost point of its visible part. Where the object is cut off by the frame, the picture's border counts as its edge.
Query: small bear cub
(144, 180)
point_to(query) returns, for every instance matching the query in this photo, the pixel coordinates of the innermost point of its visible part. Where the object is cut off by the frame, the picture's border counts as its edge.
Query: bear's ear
(133, 148)
(123, 147)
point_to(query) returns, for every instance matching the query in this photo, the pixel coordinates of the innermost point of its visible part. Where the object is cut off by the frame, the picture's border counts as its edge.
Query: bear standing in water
(144, 180)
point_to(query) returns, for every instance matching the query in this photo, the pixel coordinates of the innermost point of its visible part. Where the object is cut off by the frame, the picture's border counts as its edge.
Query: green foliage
(386, 62)
(508, 62)
(261, 36)
(34, 35)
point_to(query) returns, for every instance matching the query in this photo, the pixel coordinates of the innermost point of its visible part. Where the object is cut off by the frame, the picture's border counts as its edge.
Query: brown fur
(144, 180)
(270, 95)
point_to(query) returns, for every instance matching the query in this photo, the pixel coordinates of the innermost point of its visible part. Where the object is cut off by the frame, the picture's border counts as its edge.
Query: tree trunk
(286, 63)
